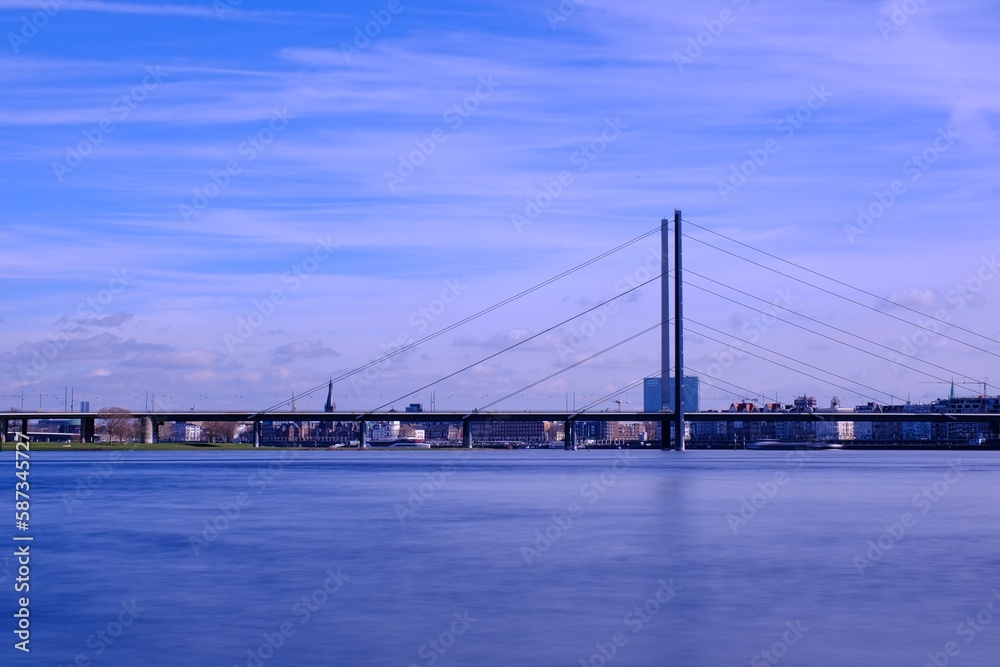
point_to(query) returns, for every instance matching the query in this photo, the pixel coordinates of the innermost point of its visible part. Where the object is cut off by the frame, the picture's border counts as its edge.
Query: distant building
(652, 394)
(508, 430)
(805, 403)
(967, 432)
(441, 431)
(626, 430)
(57, 426)
(415, 407)
(592, 431)
(384, 431)
(185, 432)
(84, 406)
(834, 431)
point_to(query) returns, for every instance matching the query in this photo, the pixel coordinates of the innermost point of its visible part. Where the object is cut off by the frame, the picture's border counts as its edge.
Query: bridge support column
(467, 434)
(87, 429)
(569, 434)
(256, 434)
(24, 427)
(147, 430)
(363, 435)
(4, 425)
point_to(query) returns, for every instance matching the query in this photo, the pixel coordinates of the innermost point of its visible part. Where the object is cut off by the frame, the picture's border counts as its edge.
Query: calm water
(509, 558)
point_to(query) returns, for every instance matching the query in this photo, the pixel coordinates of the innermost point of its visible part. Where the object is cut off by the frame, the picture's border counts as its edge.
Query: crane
(984, 383)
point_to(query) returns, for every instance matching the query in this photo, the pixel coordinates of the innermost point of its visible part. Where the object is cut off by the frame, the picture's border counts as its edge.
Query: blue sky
(226, 203)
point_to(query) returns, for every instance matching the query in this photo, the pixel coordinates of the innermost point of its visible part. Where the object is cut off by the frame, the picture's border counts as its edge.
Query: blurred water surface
(510, 558)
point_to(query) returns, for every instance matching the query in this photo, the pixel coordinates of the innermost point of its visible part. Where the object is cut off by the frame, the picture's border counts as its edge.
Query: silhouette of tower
(330, 406)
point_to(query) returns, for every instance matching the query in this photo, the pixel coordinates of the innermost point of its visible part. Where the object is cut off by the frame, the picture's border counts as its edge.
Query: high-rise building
(652, 392)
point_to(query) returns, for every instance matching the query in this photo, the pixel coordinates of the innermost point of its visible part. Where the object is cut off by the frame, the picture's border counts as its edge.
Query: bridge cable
(845, 298)
(840, 282)
(468, 319)
(784, 356)
(573, 365)
(855, 347)
(813, 319)
(518, 343)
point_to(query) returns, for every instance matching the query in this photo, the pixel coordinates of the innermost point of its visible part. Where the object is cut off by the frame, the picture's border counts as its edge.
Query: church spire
(330, 406)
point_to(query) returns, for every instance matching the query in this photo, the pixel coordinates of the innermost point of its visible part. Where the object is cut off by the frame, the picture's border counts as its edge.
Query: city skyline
(283, 197)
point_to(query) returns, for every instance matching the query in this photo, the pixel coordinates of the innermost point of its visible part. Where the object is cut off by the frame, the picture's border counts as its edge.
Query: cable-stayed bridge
(814, 327)
(569, 420)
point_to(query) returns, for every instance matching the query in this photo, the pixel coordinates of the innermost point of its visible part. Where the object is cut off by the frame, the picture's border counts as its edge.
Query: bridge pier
(4, 425)
(569, 434)
(147, 430)
(362, 434)
(256, 434)
(24, 427)
(466, 434)
(87, 429)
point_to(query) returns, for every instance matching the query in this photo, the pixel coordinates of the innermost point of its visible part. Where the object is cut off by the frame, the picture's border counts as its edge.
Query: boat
(408, 441)
(781, 445)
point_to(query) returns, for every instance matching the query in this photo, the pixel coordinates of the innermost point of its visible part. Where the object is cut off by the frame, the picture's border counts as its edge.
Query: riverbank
(230, 446)
(199, 447)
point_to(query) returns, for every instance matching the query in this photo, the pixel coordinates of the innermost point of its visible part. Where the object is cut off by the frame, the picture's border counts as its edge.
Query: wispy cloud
(394, 103)
(221, 9)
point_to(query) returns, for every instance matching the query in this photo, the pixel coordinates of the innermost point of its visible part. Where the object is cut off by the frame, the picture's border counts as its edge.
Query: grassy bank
(163, 446)
(197, 447)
